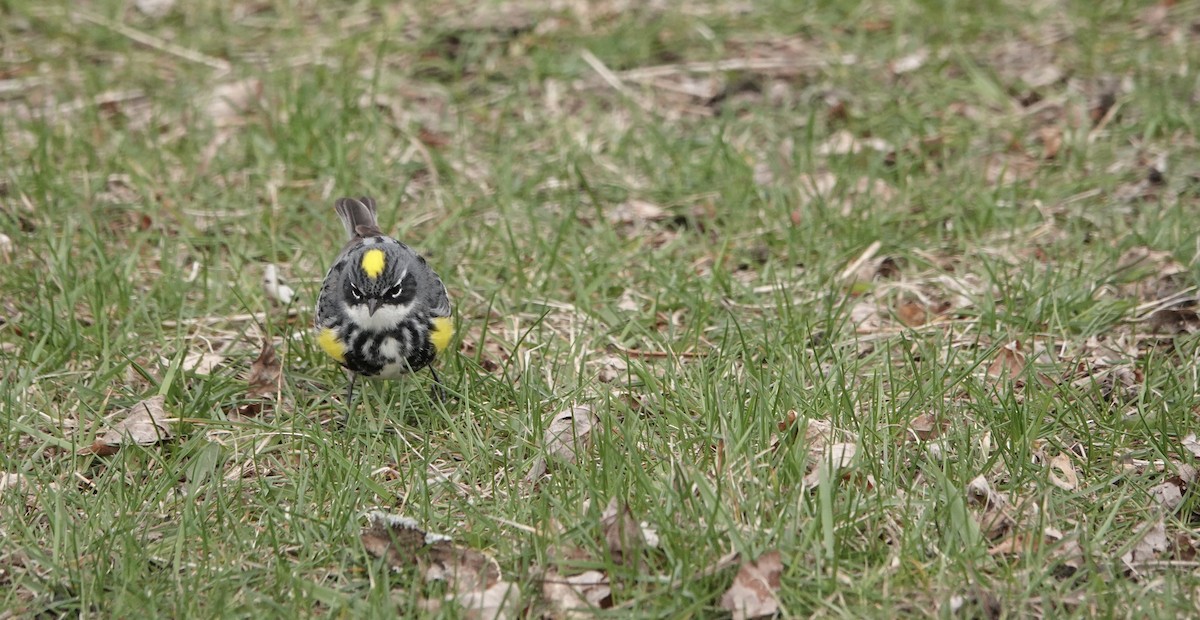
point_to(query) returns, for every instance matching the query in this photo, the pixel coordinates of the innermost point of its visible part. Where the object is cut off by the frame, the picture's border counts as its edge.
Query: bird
(383, 312)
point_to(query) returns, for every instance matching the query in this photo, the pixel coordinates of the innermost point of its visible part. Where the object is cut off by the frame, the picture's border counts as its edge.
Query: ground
(822, 309)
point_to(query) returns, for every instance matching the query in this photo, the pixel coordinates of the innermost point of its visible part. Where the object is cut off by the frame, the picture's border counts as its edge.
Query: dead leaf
(831, 460)
(1151, 543)
(1173, 321)
(925, 427)
(498, 602)
(612, 368)
(401, 542)
(1140, 261)
(1168, 495)
(628, 302)
(1008, 168)
(11, 481)
(843, 142)
(473, 577)
(577, 596)
(201, 362)
(20, 483)
(154, 8)
(1008, 363)
(865, 317)
(228, 102)
(567, 436)
(636, 211)
(1065, 553)
(6, 247)
(622, 533)
(143, 424)
(909, 62)
(1069, 480)
(274, 287)
(998, 518)
(911, 313)
(1191, 444)
(266, 373)
(754, 589)
(1051, 138)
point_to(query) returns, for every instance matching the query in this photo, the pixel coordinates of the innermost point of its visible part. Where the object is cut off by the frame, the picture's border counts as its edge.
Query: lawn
(834, 309)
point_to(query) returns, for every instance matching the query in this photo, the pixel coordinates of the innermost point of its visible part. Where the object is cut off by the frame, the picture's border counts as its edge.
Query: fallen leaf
(628, 302)
(865, 317)
(11, 481)
(843, 142)
(753, 593)
(612, 368)
(1191, 444)
(1008, 168)
(275, 288)
(1051, 138)
(1139, 262)
(925, 427)
(228, 102)
(1061, 464)
(20, 483)
(832, 459)
(154, 8)
(143, 424)
(6, 247)
(401, 542)
(498, 602)
(1065, 553)
(911, 313)
(997, 518)
(1173, 321)
(577, 596)
(1152, 542)
(266, 373)
(567, 435)
(1008, 363)
(909, 62)
(473, 577)
(636, 211)
(1168, 495)
(622, 533)
(201, 362)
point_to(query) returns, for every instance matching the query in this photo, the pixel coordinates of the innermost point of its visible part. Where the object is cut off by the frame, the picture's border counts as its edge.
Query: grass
(715, 334)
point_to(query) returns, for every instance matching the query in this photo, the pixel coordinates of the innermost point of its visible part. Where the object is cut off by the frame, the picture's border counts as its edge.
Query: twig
(867, 255)
(233, 318)
(1094, 134)
(732, 64)
(656, 354)
(611, 78)
(1143, 311)
(154, 42)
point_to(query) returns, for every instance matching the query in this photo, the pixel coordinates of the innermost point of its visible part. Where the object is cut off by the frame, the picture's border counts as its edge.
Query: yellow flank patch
(328, 339)
(372, 263)
(443, 331)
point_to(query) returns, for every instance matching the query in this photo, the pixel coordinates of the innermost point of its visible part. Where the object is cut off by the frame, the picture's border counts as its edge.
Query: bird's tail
(358, 216)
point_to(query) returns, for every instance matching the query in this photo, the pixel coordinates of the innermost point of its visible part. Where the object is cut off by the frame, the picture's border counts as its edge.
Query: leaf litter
(566, 438)
(755, 589)
(144, 424)
(476, 584)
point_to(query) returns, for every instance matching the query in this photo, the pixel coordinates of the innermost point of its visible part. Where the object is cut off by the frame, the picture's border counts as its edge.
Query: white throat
(386, 317)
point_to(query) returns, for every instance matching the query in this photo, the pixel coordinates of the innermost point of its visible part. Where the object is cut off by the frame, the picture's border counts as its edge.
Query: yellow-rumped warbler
(382, 312)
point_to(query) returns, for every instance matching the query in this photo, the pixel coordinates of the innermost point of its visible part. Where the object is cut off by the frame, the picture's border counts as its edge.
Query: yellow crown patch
(372, 263)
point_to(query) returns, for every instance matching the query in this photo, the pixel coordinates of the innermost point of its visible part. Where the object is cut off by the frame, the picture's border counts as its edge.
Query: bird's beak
(372, 306)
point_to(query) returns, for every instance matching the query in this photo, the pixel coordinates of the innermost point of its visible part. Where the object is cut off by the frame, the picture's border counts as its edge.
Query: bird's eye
(357, 294)
(395, 291)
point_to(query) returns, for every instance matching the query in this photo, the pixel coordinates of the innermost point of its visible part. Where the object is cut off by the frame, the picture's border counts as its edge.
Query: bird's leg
(438, 391)
(349, 399)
